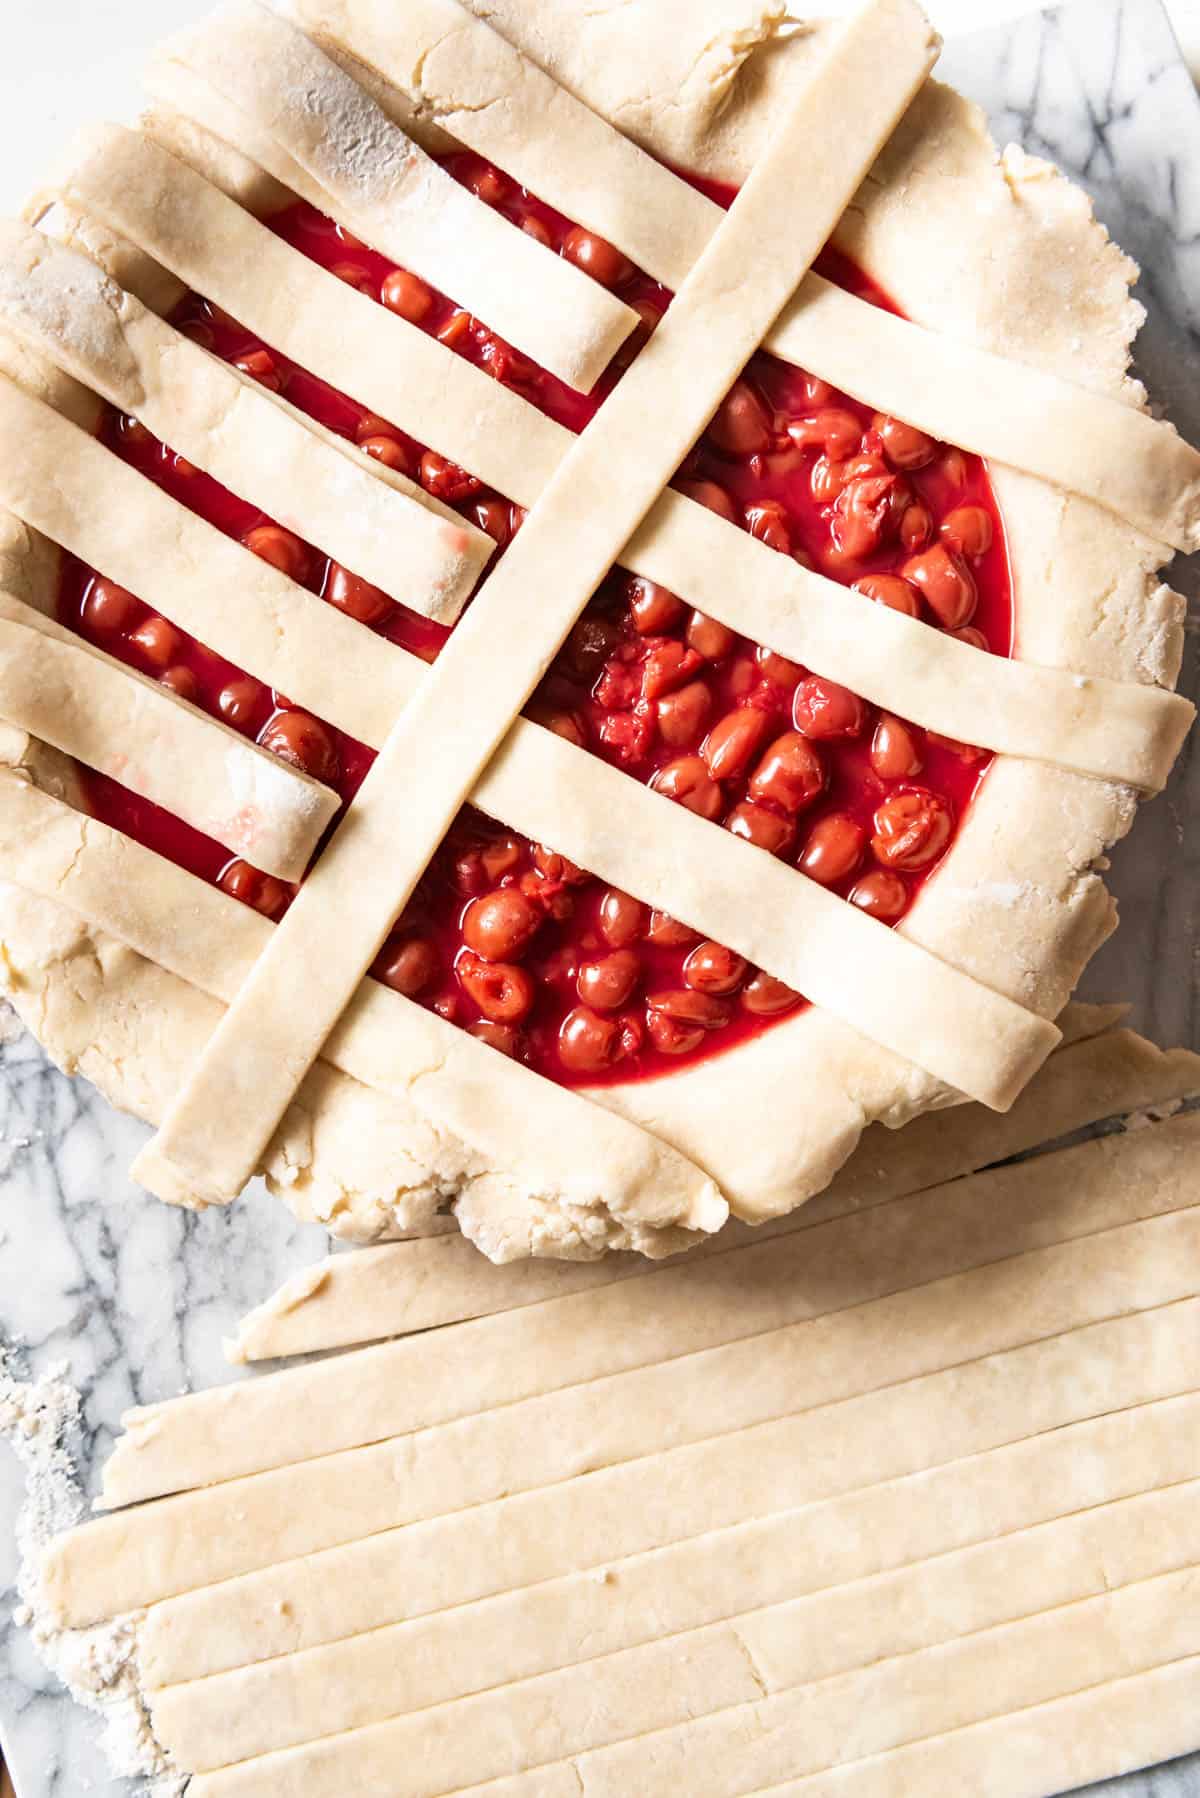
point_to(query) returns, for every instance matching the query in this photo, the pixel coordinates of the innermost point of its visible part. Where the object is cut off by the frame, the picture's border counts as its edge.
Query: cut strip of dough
(1103, 728)
(374, 521)
(136, 1557)
(462, 75)
(507, 1552)
(400, 1289)
(1114, 730)
(1094, 1735)
(68, 486)
(139, 733)
(753, 1739)
(686, 1599)
(238, 74)
(693, 1308)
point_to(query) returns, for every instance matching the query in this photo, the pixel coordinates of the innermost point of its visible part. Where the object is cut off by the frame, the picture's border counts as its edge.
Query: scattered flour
(97, 1666)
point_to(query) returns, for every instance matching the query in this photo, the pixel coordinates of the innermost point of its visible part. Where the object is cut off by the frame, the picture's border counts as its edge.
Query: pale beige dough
(434, 1569)
(140, 734)
(66, 485)
(459, 73)
(400, 1288)
(1097, 1734)
(133, 1558)
(762, 1727)
(580, 1623)
(698, 1307)
(492, 663)
(260, 84)
(373, 520)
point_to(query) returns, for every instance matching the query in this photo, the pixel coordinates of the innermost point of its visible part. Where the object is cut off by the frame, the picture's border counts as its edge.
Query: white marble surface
(134, 1297)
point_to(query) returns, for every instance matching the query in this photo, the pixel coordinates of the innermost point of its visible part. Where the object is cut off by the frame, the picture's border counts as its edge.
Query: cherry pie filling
(505, 937)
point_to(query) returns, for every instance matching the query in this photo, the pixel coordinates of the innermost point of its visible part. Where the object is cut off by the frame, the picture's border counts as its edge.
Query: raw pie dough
(1017, 890)
(936, 1499)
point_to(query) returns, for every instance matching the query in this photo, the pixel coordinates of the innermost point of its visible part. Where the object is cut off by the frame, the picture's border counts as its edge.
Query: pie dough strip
(464, 76)
(366, 516)
(732, 1455)
(248, 1072)
(488, 1558)
(781, 1736)
(402, 1288)
(1108, 729)
(754, 1732)
(749, 1571)
(680, 1603)
(1094, 1735)
(665, 1319)
(139, 733)
(66, 485)
(239, 73)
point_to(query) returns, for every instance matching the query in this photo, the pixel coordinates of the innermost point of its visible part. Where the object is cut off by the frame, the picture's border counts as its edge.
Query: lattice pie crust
(363, 1109)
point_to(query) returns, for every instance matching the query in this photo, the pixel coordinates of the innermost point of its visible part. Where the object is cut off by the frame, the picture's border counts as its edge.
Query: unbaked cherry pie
(879, 672)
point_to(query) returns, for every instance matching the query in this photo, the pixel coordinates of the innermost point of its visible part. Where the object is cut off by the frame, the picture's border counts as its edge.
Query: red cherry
(596, 257)
(108, 608)
(271, 543)
(302, 740)
(356, 597)
(406, 295)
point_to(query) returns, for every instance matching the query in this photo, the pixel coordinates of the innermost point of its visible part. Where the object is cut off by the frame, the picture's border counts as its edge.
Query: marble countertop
(135, 1298)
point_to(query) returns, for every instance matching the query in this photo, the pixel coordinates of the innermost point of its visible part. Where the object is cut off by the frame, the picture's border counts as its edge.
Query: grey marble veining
(135, 1298)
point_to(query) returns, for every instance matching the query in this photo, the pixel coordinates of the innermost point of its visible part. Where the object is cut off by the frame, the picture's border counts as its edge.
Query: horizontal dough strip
(462, 75)
(66, 485)
(1094, 1735)
(374, 521)
(247, 1074)
(1110, 729)
(139, 733)
(506, 1557)
(659, 1325)
(238, 74)
(402, 1288)
(682, 1603)
(132, 1558)
(809, 1729)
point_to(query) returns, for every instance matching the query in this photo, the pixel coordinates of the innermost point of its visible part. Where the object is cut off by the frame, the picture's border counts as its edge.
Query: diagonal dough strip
(507, 640)
(696, 1308)
(257, 82)
(675, 1606)
(139, 733)
(455, 71)
(734, 1461)
(489, 1559)
(366, 516)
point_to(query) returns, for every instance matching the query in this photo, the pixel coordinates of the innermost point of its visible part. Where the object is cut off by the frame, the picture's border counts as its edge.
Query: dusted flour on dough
(97, 1666)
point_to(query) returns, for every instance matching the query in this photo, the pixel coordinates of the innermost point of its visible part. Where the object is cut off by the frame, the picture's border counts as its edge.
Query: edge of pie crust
(1003, 252)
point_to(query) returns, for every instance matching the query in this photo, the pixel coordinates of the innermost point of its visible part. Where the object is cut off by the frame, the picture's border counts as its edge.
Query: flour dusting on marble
(97, 1666)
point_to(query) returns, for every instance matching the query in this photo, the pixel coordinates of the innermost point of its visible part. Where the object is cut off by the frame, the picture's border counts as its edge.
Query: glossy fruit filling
(505, 937)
